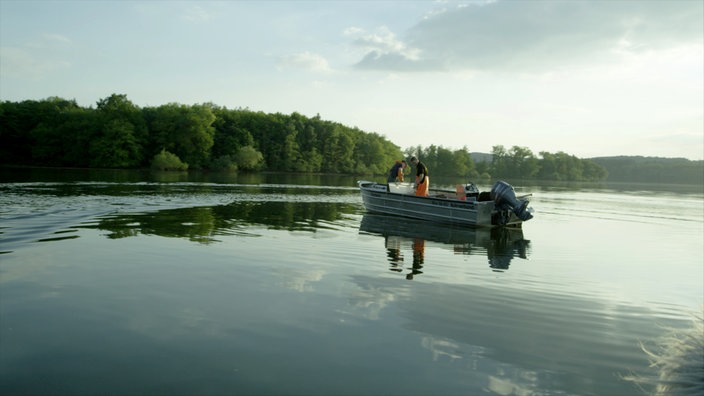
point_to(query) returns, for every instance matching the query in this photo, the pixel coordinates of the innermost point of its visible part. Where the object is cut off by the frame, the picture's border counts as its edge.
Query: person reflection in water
(418, 258)
(393, 253)
(395, 257)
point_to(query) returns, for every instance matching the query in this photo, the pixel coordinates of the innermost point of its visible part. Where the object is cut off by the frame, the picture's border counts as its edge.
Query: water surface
(136, 283)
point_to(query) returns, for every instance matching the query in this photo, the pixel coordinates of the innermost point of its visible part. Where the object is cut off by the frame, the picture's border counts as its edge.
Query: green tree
(548, 167)
(500, 166)
(62, 135)
(291, 150)
(168, 162)
(230, 132)
(248, 158)
(184, 130)
(268, 132)
(223, 163)
(593, 171)
(445, 162)
(561, 166)
(463, 164)
(344, 152)
(483, 168)
(371, 156)
(121, 136)
(522, 163)
(17, 120)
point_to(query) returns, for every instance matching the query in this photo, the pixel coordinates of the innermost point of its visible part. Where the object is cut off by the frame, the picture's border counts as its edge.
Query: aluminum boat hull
(440, 206)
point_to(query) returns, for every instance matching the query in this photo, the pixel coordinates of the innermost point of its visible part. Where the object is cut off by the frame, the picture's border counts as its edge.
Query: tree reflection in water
(204, 224)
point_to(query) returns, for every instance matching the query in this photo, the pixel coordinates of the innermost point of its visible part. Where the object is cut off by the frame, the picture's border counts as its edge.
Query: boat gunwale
(464, 206)
(416, 197)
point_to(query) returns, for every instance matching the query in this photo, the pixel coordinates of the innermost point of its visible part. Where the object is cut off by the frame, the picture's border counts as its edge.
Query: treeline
(514, 163)
(116, 133)
(653, 169)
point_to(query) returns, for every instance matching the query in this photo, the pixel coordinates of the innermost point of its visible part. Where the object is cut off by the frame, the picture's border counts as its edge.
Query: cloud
(300, 280)
(383, 50)
(305, 60)
(533, 35)
(383, 41)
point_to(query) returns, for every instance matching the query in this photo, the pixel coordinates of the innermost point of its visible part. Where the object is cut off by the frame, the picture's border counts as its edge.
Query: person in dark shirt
(396, 172)
(422, 180)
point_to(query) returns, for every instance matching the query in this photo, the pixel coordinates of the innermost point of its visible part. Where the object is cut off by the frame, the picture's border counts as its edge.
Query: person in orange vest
(396, 172)
(422, 180)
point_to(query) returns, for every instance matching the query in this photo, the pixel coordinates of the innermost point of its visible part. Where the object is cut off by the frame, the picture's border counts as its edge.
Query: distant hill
(652, 169)
(641, 169)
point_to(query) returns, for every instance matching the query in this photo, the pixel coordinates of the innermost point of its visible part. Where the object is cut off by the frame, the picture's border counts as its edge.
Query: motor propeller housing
(504, 196)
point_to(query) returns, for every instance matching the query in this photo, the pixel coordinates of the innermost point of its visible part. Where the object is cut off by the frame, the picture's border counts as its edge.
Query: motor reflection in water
(408, 237)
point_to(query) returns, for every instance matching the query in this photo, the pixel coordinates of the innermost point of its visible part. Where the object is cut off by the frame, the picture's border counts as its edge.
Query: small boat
(466, 206)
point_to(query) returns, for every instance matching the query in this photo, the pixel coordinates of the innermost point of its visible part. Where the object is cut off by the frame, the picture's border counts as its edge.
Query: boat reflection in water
(499, 245)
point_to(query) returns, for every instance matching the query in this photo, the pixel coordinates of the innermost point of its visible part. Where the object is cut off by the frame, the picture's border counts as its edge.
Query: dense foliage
(116, 133)
(515, 163)
(168, 162)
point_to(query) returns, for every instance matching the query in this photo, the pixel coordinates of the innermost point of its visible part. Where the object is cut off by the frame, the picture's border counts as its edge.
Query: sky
(588, 78)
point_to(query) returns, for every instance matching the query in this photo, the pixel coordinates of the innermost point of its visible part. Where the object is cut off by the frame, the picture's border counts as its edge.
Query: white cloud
(353, 31)
(534, 35)
(300, 280)
(307, 61)
(382, 46)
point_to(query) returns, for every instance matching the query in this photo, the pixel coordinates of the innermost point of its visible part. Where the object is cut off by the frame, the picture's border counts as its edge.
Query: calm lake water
(130, 283)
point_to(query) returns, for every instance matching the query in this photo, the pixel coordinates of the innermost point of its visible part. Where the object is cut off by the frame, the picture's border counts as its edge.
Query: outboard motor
(505, 199)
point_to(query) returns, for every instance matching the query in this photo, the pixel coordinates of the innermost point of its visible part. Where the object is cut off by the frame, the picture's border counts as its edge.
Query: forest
(116, 133)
